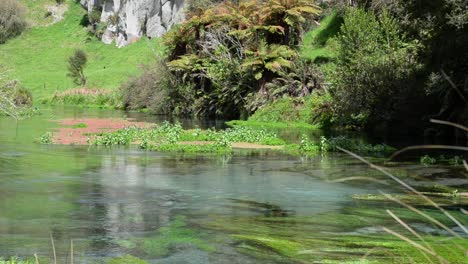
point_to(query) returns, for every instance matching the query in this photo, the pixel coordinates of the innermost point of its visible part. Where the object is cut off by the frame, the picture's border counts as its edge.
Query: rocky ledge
(126, 21)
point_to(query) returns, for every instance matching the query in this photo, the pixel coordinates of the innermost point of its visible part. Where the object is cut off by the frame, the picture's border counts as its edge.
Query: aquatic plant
(46, 138)
(427, 160)
(80, 125)
(173, 138)
(334, 143)
(175, 233)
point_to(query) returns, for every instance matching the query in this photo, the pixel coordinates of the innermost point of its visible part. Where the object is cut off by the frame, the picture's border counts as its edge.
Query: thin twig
(452, 84)
(382, 170)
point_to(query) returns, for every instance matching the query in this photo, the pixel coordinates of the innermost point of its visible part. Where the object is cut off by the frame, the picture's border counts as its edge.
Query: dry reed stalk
(71, 251)
(411, 230)
(431, 219)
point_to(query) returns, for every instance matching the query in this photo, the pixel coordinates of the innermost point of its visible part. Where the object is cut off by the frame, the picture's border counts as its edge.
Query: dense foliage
(373, 67)
(223, 57)
(410, 64)
(387, 64)
(12, 20)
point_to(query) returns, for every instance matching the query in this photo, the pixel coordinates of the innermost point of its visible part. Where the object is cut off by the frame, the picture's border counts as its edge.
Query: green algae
(176, 233)
(281, 246)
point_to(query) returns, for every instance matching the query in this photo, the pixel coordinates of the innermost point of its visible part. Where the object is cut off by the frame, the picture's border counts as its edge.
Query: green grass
(36, 11)
(38, 58)
(318, 45)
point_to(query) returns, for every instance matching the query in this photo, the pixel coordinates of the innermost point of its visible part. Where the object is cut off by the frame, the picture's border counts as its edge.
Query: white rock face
(128, 20)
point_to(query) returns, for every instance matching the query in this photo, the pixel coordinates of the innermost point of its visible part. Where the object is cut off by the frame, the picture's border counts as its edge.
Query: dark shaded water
(102, 198)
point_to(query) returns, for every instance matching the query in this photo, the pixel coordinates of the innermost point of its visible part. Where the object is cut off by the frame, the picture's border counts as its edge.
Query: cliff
(126, 21)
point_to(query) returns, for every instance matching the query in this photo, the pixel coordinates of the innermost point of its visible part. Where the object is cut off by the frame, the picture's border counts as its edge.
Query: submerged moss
(175, 234)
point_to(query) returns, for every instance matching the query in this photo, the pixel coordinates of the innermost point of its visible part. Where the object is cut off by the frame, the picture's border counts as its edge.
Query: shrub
(158, 91)
(16, 93)
(76, 64)
(12, 20)
(373, 67)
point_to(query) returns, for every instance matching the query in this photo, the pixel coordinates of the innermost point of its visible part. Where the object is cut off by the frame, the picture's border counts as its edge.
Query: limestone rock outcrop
(126, 21)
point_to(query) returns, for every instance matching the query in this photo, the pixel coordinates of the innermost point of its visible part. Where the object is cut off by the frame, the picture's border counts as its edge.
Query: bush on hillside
(76, 65)
(12, 20)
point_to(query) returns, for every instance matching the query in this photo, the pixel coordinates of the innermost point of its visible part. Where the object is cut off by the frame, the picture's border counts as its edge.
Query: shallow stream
(172, 208)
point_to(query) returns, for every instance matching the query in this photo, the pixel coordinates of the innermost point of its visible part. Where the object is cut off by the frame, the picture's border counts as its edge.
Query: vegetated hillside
(38, 58)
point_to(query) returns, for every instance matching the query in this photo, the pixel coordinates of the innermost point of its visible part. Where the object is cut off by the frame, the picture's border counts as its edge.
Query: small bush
(16, 93)
(157, 91)
(76, 65)
(12, 20)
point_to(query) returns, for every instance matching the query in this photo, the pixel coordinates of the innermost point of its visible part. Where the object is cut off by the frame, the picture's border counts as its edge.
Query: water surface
(105, 198)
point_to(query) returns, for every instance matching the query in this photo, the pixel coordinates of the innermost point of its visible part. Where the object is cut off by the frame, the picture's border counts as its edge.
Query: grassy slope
(318, 42)
(38, 58)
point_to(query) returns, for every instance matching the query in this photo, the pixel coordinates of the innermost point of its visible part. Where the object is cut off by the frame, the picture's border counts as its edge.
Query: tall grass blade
(360, 178)
(53, 248)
